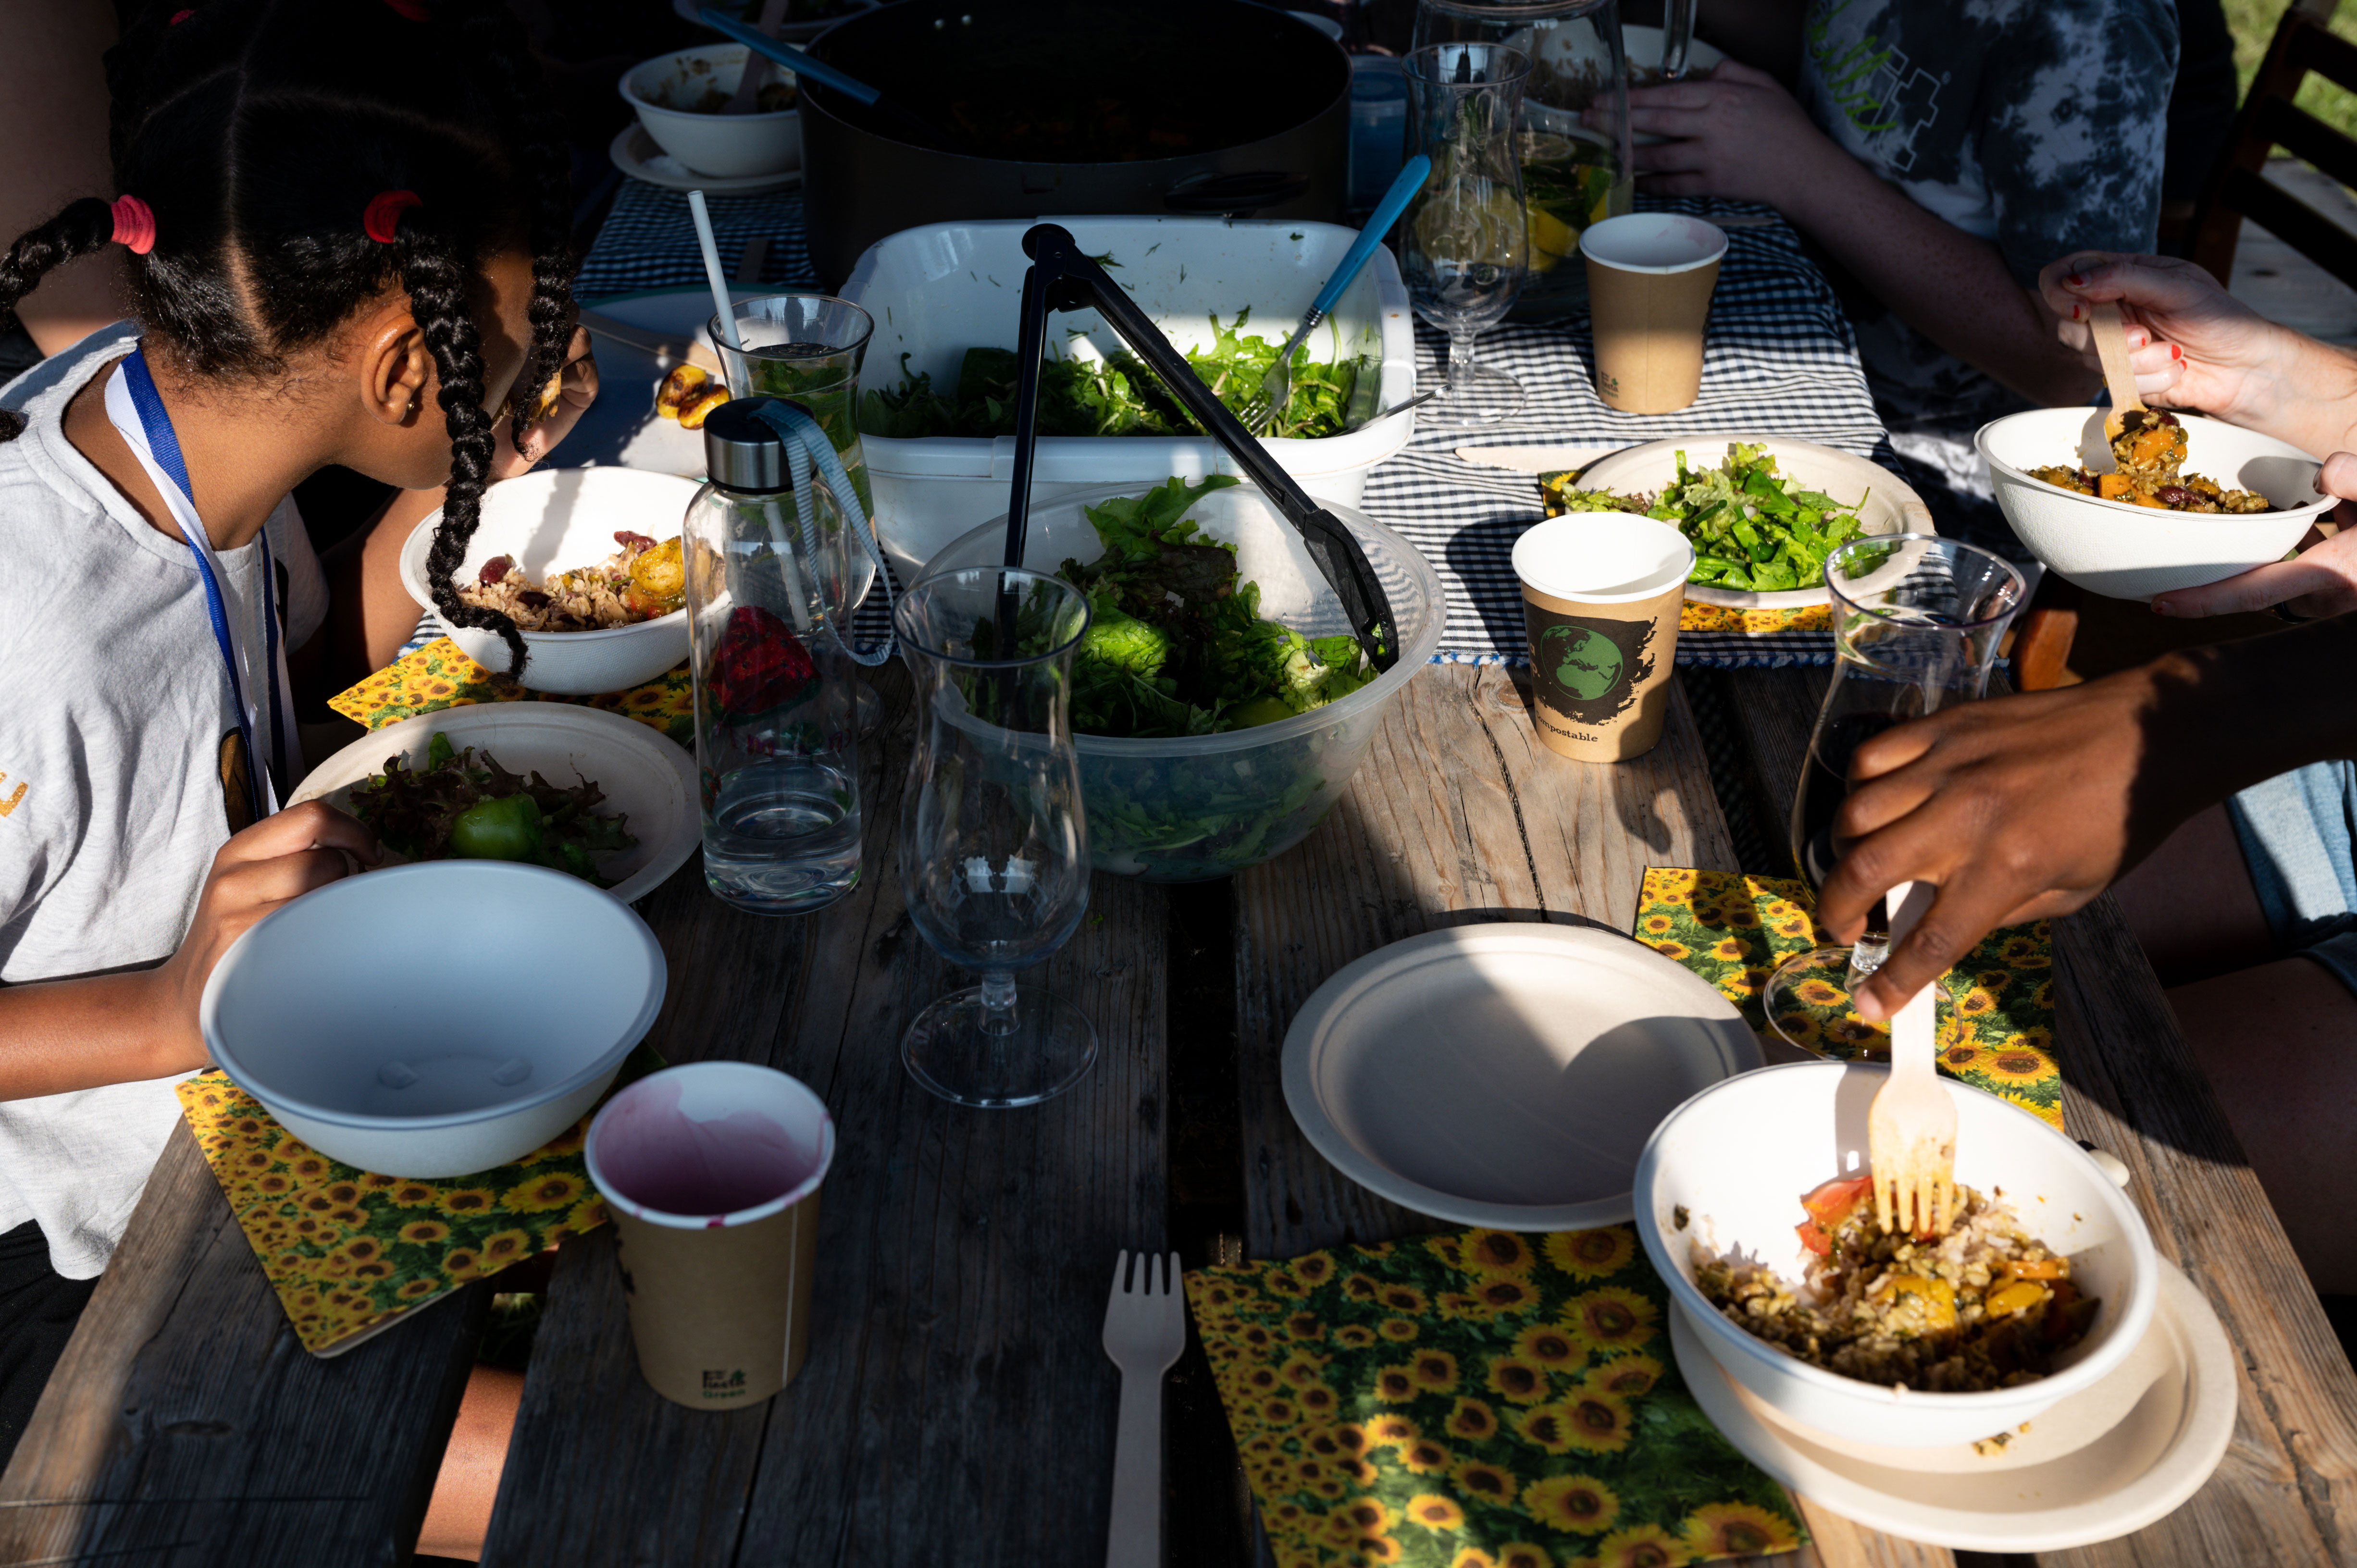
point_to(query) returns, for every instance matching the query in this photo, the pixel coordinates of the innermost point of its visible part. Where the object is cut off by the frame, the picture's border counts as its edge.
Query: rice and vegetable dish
(2149, 448)
(639, 581)
(1984, 1307)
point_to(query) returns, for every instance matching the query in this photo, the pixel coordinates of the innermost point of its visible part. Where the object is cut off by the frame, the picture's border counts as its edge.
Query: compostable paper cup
(1601, 593)
(712, 1173)
(1650, 277)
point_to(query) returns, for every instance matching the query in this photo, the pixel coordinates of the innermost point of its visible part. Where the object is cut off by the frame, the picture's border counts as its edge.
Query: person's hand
(2321, 581)
(577, 391)
(277, 859)
(1736, 133)
(2191, 343)
(2017, 808)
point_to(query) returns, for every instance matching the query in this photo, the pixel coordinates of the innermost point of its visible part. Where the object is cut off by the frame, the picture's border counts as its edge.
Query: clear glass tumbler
(809, 347)
(1917, 621)
(776, 749)
(1466, 242)
(994, 847)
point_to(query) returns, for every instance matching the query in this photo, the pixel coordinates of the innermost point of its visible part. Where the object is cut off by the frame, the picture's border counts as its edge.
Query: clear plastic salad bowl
(1192, 808)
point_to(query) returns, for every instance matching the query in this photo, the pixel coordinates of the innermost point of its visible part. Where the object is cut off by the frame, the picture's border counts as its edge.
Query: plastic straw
(724, 308)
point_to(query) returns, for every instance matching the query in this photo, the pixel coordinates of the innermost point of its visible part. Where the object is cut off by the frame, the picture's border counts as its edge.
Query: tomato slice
(1814, 1238)
(1832, 1201)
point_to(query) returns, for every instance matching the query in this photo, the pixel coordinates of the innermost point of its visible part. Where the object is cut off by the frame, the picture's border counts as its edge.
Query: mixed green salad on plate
(1082, 392)
(462, 807)
(1752, 529)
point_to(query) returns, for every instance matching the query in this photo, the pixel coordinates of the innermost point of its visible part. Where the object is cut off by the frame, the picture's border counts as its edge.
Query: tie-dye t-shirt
(2036, 125)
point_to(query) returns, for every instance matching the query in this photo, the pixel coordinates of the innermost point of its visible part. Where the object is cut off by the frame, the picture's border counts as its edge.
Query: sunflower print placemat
(1757, 623)
(347, 1250)
(438, 676)
(1734, 931)
(1477, 1399)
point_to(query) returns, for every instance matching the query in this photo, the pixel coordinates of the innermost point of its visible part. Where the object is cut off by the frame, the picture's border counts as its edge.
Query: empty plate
(1506, 1074)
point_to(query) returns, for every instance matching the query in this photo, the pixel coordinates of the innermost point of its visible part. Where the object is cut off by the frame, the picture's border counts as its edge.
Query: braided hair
(259, 132)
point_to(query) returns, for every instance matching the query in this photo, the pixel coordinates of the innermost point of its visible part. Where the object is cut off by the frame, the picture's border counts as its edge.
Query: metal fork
(1145, 1330)
(1911, 1130)
(1276, 386)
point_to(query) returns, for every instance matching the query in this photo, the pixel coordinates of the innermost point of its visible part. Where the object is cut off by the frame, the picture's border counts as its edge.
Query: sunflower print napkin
(347, 1250)
(1477, 1399)
(438, 676)
(1734, 931)
(1719, 617)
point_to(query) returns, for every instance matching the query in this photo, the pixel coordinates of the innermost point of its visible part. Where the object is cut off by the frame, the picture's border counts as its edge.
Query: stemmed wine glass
(994, 848)
(1917, 621)
(1465, 245)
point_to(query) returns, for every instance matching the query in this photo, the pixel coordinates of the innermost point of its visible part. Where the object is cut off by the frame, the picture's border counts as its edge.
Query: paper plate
(1505, 1074)
(2059, 1484)
(1890, 506)
(643, 775)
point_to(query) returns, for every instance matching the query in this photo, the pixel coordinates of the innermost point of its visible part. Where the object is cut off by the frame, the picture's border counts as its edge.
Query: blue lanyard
(166, 447)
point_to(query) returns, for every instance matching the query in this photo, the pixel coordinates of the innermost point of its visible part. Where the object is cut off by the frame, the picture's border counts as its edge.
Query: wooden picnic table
(956, 1407)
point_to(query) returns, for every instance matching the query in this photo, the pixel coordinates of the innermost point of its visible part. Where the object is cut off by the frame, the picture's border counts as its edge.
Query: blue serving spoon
(1276, 387)
(815, 70)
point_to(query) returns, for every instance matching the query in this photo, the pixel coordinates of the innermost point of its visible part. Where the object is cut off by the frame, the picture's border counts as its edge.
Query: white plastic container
(937, 291)
(1727, 1169)
(372, 1036)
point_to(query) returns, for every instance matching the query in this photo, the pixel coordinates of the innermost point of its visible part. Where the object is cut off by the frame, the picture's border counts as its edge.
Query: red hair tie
(178, 17)
(134, 224)
(411, 10)
(384, 210)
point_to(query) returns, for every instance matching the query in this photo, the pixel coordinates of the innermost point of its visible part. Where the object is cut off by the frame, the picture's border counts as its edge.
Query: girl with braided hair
(344, 229)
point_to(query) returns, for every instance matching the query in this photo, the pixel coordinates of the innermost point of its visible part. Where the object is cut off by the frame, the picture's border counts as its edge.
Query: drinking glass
(994, 848)
(1573, 140)
(1466, 242)
(1916, 625)
(809, 347)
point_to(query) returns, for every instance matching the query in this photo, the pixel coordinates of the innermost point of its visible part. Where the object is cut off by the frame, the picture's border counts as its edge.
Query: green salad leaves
(1176, 644)
(1751, 528)
(459, 807)
(1083, 393)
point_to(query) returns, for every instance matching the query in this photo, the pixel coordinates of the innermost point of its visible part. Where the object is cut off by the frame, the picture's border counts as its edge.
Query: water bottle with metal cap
(776, 745)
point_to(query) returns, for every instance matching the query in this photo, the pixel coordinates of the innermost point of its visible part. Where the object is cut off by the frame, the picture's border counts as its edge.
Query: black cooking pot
(1209, 108)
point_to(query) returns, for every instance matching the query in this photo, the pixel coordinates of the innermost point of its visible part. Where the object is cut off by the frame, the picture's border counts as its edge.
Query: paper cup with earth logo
(1601, 593)
(711, 1172)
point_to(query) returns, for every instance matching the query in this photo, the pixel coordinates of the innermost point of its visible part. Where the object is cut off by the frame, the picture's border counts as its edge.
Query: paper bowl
(2125, 552)
(554, 521)
(1737, 1156)
(1891, 507)
(385, 1036)
(729, 147)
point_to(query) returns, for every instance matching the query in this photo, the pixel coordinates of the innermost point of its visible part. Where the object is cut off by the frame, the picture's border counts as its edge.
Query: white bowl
(555, 521)
(1737, 1156)
(729, 146)
(1891, 507)
(2125, 552)
(643, 775)
(376, 1038)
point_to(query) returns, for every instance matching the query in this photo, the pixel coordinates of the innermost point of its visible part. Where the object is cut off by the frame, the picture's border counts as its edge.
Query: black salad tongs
(1062, 278)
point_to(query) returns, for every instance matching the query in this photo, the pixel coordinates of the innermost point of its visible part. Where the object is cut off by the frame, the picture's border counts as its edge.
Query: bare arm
(1741, 136)
(62, 1035)
(53, 120)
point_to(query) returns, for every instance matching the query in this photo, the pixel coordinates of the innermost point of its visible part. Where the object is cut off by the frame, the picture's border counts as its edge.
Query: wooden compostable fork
(1910, 1131)
(1145, 1330)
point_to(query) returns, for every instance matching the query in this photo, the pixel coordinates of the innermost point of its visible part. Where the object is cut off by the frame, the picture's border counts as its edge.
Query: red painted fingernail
(2163, 608)
(2075, 279)
(2175, 353)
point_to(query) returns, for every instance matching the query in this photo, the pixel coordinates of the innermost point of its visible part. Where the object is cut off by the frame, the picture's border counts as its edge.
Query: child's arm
(62, 1035)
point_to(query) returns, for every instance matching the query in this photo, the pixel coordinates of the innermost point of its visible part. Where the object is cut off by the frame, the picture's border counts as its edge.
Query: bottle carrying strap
(807, 446)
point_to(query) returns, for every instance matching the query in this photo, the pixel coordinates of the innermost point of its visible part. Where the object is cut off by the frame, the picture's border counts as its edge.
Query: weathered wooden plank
(186, 1426)
(956, 1406)
(2283, 1494)
(1458, 815)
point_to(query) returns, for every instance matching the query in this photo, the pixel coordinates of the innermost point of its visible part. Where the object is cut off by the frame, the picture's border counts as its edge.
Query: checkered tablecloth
(1780, 361)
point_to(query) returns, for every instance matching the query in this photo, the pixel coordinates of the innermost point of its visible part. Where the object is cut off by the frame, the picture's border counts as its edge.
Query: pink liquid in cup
(660, 1158)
